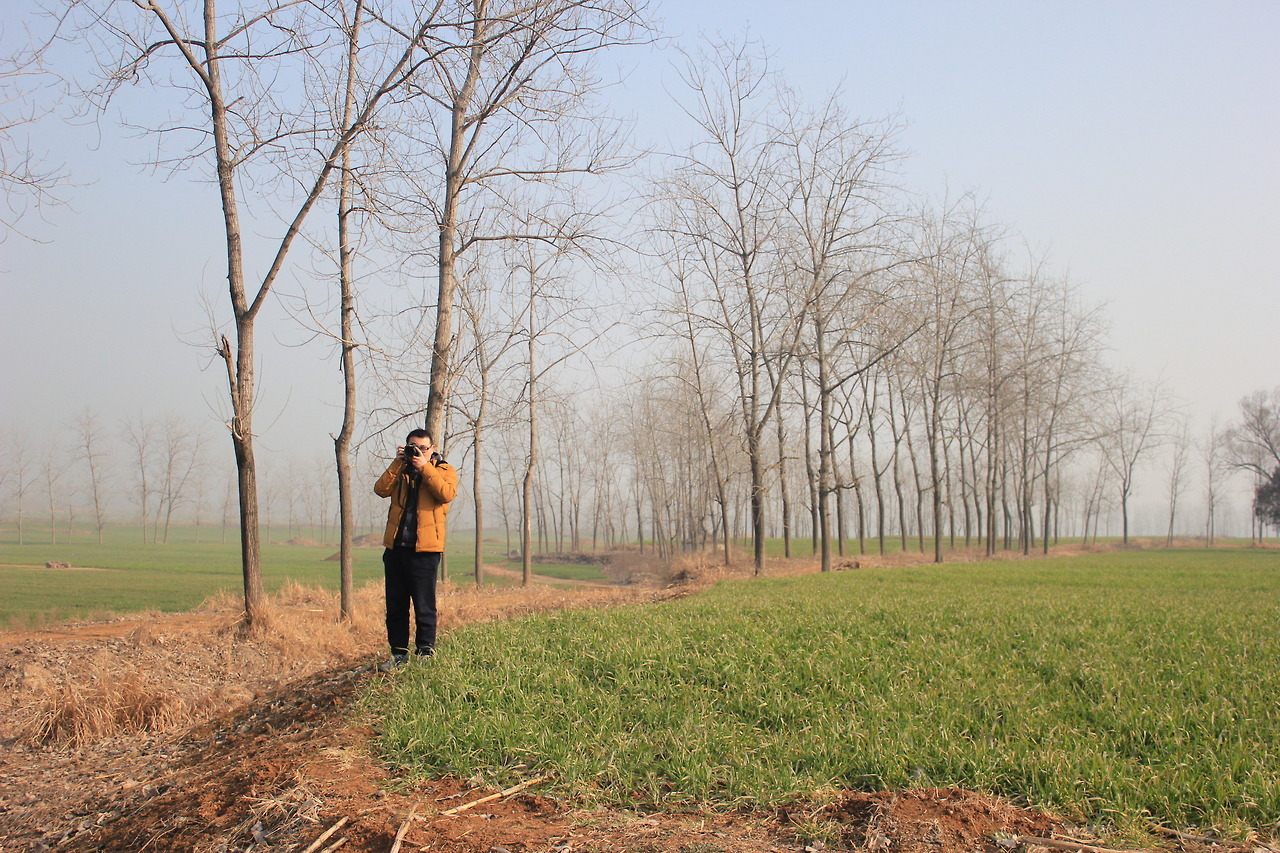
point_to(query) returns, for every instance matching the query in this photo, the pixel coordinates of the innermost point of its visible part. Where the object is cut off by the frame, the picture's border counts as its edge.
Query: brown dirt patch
(57, 568)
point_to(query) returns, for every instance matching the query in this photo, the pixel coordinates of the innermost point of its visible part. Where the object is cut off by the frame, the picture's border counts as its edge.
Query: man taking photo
(421, 485)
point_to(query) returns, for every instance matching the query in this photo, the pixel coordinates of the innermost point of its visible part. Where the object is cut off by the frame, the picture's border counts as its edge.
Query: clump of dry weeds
(104, 703)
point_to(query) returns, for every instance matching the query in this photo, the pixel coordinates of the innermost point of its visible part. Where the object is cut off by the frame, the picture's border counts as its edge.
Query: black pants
(411, 578)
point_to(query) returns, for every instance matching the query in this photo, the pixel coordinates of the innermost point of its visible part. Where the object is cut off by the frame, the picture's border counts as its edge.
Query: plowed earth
(273, 756)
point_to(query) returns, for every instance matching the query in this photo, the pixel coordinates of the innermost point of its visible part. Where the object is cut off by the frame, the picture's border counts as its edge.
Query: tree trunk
(346, 264)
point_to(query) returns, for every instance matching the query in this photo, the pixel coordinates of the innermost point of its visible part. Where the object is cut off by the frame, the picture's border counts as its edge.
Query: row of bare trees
(153, 473)
(833, 351)
(87, 469)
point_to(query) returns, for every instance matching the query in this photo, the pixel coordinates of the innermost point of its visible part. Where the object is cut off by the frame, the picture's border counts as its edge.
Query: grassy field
(130, 576)
(1110, 688)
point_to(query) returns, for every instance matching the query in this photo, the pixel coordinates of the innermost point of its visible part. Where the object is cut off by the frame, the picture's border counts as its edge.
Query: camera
(411, 450)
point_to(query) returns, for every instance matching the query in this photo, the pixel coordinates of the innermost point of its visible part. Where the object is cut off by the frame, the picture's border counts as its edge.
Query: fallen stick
(514, 789)
(1214, 842)
(315, 845)
(1059, 844)
(335, 845)
(404, 828)
(1186, 836)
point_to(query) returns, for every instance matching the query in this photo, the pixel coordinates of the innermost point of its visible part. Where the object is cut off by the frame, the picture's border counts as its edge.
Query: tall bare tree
(180, 446)
(1254, 443)
(20, 471)
(54, 463)
(516, 90)
(487, 345)
(834, 243)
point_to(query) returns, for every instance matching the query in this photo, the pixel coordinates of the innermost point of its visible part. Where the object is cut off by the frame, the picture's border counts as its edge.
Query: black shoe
(424, 651)
(393, 662)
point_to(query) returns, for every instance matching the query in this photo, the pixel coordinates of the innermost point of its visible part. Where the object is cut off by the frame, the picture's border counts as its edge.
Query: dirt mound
(926, 819)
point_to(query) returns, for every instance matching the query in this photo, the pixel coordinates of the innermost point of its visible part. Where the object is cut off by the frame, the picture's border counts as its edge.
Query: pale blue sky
(1136, 144)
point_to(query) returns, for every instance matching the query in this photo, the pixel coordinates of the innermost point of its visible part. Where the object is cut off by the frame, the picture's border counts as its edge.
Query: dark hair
(418, 433)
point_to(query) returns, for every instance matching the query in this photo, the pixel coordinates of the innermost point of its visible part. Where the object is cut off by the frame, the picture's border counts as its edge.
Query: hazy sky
(1135, 144)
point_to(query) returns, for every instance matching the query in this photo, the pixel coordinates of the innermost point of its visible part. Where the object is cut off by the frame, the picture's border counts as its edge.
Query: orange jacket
(438, 486)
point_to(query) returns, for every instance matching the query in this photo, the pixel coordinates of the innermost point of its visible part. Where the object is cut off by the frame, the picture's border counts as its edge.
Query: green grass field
(135, 576)
(1111, 688)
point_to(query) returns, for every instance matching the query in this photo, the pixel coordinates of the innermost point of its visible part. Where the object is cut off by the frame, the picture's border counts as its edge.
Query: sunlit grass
(1110, 688)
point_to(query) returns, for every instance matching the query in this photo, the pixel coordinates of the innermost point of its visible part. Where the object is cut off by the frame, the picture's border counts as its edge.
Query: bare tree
(953, 249)
(1176, 471)
(1254, 443)
(1213, 454)
(181, 448)
(699, 377)
(54, 462)
(1133, 418)
(516, 88)
(89, 432)
(489, 345)
(835, 216)
(139, 435)
(542, 268)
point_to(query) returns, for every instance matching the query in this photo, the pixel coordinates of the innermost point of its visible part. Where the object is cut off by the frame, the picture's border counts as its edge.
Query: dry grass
(162, 672)
(110, 703)
(157, 673)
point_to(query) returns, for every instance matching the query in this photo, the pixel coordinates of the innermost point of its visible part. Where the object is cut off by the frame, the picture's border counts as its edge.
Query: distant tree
(55, 465)
(19, 471)
(1180, 450)
(180, 448)
(721, 209)
(1132, 420)
(139, 436)
(1213, 449)
(89, 434)
(509, 102)
(1253, 444)
(1266, 500)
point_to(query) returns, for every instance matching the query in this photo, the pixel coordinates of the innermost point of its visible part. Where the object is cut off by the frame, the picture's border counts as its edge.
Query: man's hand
(419, 461)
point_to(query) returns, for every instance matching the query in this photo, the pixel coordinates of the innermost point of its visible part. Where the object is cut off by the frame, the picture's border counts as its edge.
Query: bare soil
(188, 733)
